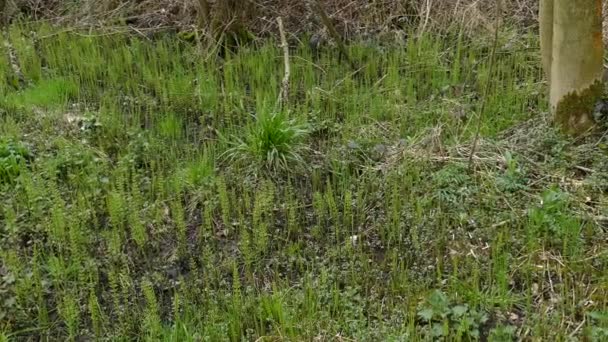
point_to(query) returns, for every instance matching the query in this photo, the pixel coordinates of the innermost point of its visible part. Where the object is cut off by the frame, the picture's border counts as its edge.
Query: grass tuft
(273, 143)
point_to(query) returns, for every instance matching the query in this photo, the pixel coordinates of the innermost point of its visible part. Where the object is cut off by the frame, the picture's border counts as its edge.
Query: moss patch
(574, 113)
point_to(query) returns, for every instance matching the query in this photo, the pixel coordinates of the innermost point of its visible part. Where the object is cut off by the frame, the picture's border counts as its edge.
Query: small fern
(222, 192)
(95, 313)
(152, 323)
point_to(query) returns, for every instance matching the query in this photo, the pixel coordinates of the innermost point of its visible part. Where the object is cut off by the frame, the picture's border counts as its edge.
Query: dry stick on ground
(332, 31)
(284, 96)
(486, 94)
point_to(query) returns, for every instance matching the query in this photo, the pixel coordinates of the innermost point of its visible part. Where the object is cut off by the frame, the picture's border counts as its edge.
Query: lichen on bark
(574, 112)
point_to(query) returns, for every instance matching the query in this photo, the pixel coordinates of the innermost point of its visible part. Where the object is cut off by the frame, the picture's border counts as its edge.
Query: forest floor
(149, 190)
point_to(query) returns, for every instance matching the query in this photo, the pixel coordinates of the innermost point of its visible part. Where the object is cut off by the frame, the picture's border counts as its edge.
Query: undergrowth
(150, 191)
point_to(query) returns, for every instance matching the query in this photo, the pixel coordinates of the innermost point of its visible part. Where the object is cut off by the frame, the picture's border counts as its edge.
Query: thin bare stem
(486, 94)
(284, 97)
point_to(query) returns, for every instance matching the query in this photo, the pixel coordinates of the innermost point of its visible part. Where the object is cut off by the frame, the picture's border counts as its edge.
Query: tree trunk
(574, 63)
(204, 15)
(546, 35)
(230, 14)
(229, 18)
(3, 14)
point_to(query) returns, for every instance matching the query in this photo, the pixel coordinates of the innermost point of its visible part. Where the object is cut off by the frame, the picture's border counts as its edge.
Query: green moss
(574, 113)
(188, 36)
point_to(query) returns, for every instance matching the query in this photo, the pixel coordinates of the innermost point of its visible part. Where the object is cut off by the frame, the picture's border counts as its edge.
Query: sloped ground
(152, 191)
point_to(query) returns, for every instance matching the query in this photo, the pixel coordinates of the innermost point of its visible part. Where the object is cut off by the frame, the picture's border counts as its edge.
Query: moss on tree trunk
(574, 112)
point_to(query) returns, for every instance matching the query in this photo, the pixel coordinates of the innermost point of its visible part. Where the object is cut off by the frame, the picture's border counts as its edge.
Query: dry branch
(284, 97)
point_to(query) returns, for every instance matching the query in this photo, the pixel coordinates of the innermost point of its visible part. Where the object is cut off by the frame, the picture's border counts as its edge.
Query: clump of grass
(46, 94)
(196, 173)
(13, 156)
(274, 143)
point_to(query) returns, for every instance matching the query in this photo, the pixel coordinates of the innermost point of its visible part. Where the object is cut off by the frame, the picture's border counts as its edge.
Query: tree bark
(204, 15)
(546, 35)
(230, 14)
(228, 20)
(574, 64)
(3, 14)
(332, 31)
